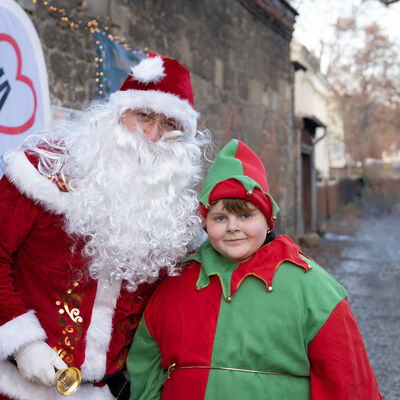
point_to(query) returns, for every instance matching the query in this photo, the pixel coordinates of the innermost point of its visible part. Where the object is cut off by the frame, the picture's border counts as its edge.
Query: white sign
(24, 92)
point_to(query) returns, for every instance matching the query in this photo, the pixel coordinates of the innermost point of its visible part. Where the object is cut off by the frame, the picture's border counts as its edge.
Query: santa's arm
(18, 325)
(144, 365)
(340, 368)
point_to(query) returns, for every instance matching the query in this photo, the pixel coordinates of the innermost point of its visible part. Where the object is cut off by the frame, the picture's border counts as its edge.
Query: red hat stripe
(252, 166)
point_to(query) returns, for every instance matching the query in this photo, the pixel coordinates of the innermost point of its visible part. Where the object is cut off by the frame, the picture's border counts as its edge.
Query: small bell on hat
(163, 85)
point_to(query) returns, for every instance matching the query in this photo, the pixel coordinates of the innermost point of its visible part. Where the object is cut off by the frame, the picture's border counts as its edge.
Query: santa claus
(89, 216)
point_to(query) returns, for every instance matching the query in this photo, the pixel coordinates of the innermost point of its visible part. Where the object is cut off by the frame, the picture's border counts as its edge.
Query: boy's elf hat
(237, 172)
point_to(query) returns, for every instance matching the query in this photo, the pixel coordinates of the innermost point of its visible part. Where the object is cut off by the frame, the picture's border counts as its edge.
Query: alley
(368, 267)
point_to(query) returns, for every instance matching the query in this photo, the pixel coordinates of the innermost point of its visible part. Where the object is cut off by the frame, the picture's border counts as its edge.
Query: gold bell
(68, 380)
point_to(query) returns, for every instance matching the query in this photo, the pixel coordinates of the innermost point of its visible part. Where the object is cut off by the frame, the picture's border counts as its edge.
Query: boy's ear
(204, 224)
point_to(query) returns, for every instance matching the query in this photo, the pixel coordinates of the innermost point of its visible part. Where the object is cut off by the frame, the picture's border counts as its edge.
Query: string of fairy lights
(93, 26)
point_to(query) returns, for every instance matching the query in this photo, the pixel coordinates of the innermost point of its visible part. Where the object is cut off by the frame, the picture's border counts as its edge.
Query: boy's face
(236, 237)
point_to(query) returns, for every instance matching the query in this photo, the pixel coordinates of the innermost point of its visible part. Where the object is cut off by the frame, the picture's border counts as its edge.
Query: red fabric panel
(340, 369)
(252, 165)
(185, 332)
(127, 315)
(14, 227)
(267, 260)
(37, 268)
(34, 160)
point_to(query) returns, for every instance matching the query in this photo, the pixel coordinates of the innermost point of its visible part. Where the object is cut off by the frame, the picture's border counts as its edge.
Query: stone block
(100, 9)
(50, 36)
(265, 99)
(186, 56)
(308, 239)
(255, 92)
(218, 73)
(122, 15)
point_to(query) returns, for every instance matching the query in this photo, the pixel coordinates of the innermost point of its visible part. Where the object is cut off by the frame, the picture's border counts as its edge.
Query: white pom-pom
(150, 70)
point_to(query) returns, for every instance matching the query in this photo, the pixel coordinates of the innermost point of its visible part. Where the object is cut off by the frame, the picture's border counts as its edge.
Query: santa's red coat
(43, 292)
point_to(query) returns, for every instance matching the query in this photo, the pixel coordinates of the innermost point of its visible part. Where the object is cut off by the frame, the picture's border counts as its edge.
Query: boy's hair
(235, 205)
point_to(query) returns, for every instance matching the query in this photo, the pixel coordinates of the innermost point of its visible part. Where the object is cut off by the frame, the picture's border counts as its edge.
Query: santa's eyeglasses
(146, 118)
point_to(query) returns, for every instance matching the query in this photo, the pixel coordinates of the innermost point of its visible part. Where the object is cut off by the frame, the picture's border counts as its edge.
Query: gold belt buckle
(169, 372)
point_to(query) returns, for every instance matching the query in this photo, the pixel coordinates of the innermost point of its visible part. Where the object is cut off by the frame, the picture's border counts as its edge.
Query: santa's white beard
(133, 200)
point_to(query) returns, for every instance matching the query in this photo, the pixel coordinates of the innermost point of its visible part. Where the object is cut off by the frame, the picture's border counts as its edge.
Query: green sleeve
(144, 366)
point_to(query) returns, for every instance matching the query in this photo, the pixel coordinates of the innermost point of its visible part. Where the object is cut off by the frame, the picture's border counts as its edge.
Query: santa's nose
(154, 132)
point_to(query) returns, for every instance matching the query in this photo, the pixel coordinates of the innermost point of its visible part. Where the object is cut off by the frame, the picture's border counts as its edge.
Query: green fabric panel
(144, 363)
(275, 207)
(212, 263)
(271, 332)
(224, 167)
(323, 292)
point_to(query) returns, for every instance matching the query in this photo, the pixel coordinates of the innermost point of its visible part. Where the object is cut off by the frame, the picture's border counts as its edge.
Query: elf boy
(250, 316)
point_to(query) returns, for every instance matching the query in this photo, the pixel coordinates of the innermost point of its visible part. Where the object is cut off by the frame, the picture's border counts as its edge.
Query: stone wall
(238, 52)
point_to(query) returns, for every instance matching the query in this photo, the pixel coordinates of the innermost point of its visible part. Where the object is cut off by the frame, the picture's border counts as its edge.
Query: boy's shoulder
(287, 260)
(188, 273)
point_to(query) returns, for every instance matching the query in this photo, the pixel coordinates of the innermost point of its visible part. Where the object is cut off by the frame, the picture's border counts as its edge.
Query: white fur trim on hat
(31, 183)
(99, 332)
(13, 385)
(150, 70)
(162, 103)
(19, 331)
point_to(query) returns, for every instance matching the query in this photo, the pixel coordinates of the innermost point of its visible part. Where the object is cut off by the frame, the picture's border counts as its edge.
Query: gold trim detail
(70, 320)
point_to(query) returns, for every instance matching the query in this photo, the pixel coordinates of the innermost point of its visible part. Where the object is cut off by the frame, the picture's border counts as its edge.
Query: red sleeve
(340, 369)
(17, 217)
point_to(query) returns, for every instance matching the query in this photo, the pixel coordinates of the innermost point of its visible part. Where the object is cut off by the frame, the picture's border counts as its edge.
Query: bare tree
(364, 71)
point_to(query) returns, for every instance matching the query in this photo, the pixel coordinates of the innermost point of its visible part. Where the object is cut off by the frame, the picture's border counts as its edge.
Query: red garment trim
(231, 188)
(56, 179)
(267, 260)
(340, 368)
(252, 165)
(191, 329)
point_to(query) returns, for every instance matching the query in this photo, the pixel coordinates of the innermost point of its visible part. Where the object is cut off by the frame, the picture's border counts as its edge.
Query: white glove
(36, 362)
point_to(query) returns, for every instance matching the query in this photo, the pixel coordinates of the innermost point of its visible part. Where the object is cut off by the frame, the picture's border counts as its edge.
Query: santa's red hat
(163, 85)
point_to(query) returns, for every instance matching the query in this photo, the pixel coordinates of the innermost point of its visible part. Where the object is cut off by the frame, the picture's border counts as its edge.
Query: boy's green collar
(212, 263)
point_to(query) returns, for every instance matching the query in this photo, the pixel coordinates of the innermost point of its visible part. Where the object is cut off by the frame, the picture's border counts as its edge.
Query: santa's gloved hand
(36, 362)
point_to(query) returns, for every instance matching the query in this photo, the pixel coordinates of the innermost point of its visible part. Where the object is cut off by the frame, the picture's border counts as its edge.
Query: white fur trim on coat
(13, 385)
(150, 70)
(100, 329)
(162, 103)
(31, 183)
(19, 331)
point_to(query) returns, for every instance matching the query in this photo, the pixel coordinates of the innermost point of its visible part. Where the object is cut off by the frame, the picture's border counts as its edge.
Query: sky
(315, 18)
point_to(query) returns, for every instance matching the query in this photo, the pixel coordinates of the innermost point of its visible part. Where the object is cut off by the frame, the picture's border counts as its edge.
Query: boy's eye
(246, 215)
(219, 218)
